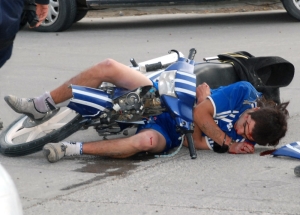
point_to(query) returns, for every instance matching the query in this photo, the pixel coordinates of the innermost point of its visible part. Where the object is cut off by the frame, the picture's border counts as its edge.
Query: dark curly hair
(270, 122)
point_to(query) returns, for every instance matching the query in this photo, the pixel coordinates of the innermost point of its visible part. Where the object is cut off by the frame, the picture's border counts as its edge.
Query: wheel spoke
(28, 134)
(21, 132)
(60, 116)
(21, 141)
(53, 126)
(53, 11)
(54, 3)
(34, 133)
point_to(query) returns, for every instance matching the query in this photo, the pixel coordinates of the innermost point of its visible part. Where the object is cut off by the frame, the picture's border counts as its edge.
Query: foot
(24, 106)
(54, 151)
(297, 171)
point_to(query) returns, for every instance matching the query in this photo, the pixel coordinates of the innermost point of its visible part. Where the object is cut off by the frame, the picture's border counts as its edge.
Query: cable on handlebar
(173, 50)
(173, 153)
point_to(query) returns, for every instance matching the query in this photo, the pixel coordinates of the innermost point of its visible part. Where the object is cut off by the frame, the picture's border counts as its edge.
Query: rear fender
(89, 102)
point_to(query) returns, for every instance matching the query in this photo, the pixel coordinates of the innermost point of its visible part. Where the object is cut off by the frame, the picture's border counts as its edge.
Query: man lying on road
(231, 118)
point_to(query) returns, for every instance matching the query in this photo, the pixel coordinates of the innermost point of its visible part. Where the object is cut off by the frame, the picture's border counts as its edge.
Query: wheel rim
(53, 13)
(297, 3)
(17, 134)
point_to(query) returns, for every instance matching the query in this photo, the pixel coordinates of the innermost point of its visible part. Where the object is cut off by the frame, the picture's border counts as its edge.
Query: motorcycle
(111, 110)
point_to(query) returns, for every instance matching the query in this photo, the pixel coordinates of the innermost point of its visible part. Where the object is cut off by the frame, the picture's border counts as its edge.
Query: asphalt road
(211, 184)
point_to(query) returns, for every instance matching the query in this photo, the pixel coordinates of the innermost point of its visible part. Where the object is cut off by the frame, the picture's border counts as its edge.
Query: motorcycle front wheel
(16, 140)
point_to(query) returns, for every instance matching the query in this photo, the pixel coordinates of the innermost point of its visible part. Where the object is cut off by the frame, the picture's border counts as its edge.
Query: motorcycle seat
(215, 74)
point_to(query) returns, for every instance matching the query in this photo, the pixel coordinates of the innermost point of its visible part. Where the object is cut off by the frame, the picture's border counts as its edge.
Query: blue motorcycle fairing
(183, 65)
(290, 150)
(178, 108)
(185, 87)
(154, 75)
(89, 102)
(181, 108)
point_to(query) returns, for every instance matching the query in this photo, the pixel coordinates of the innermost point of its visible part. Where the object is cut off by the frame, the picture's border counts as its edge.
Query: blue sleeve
(238, 96)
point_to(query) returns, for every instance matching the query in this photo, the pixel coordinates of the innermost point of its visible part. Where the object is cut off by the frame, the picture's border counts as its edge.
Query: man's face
(244, 126)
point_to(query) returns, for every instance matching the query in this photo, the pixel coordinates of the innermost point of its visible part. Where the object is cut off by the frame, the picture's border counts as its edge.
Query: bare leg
(147, 140)
(107, 71)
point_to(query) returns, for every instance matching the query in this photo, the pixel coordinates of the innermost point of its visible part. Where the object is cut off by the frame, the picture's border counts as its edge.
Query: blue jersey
(229, 104)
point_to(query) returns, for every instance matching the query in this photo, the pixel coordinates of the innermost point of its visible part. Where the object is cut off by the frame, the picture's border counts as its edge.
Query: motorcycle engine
(138, 104)
(131, 101)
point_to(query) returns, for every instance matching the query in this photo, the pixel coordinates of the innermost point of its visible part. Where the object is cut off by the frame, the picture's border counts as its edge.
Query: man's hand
(41, 12)
(241, 148)
(202, 91)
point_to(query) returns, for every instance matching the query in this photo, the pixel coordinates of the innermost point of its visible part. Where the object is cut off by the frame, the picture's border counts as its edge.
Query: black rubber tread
(80, 14)
(297, 171)
(37, 145)
(291, 8)
(67, 14)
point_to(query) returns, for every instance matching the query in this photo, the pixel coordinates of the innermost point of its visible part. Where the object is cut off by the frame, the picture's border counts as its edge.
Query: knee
(106, 64)
(146, 141)
(104, 69)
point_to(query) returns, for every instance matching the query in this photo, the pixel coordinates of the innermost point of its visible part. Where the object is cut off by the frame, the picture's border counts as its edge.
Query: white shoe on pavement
(54, 151)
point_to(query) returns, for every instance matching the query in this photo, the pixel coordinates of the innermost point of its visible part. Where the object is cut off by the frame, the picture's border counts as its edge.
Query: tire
(292, 7)
(297, 171)
(80, 15)
(61, 15)
(16, 140)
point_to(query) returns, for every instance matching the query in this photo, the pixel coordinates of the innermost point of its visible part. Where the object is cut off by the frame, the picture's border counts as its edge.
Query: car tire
(61, 15)
(292, 7)
(80, 15)
(297, 171)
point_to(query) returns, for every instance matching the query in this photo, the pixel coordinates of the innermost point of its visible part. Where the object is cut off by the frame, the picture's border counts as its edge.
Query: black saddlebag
(266, 74)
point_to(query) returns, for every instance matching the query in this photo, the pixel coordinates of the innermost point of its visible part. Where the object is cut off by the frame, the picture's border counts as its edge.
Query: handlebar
(133, 62)
(153, 66)
(192, 54)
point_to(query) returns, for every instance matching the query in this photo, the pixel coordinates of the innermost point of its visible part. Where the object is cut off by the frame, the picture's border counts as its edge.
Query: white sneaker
(54, 151)
(24, 106)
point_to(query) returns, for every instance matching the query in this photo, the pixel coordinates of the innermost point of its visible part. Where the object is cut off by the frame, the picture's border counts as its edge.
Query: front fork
(189, 137)
(187, 128)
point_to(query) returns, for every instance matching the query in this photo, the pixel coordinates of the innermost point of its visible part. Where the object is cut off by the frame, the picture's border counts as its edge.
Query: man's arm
(205, 122)
(203, 118)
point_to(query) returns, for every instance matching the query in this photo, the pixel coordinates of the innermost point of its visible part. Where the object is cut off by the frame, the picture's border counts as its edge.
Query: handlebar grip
(192, 54)
(133, 62)
(153, 66)
(192, 149)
